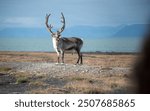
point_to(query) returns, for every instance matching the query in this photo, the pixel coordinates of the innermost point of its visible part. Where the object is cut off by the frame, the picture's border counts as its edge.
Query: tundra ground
(36, 72)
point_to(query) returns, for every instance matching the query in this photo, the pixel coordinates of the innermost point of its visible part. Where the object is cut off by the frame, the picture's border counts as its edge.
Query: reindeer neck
(55, 43)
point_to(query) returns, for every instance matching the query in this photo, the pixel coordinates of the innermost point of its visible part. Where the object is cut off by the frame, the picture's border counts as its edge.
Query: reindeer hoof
(77, 64)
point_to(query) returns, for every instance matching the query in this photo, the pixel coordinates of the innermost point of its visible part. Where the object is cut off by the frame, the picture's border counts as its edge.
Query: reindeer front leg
(58, 56)
(62, 57)
(58, 59)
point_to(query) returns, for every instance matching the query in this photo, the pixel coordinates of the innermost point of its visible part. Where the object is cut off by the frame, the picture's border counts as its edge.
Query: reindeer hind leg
(81, 60)
(78, 52)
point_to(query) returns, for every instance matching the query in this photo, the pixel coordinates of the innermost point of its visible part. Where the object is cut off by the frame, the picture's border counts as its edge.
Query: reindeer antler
(62, 21)
(49, 27)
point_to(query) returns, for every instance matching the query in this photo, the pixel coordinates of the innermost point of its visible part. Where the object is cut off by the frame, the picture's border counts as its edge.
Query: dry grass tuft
(48, 90)
(22, 80)
(22, 77)
(5, 69)
(84, 87)
(93, 84)
(37, 84)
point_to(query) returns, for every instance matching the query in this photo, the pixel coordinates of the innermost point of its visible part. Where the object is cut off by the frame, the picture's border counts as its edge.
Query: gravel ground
(55, 74)
(53, 69)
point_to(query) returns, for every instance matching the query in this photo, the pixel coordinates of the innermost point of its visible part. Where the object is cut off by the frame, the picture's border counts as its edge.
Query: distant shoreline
(94, 52)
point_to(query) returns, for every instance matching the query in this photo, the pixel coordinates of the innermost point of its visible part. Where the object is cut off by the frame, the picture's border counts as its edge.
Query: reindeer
(62, 44)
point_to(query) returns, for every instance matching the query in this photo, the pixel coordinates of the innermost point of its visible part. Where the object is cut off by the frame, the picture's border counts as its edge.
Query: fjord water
(114, 44)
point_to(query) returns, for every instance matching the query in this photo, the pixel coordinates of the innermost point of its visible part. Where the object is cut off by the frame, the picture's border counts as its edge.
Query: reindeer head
(57, 34)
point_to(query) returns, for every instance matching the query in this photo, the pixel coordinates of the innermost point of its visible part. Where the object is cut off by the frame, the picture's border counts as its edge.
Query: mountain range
(134, 30)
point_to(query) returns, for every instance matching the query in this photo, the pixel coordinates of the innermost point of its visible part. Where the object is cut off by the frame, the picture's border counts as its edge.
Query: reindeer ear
(59, 36)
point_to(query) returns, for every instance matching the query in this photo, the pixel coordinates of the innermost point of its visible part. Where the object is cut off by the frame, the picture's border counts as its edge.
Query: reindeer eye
(58, 35)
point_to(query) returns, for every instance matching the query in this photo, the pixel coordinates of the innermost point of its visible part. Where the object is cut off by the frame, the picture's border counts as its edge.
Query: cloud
(21, 22)
(31, 13)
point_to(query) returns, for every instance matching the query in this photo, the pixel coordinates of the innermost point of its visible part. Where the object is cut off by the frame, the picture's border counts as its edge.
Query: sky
(31, 13)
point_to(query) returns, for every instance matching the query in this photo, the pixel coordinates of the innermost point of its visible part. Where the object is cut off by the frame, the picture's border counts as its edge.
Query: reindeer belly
(69, 46)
